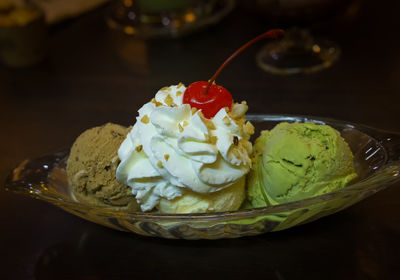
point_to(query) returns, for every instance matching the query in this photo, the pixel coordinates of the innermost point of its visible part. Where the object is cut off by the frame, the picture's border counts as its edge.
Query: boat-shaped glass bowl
(377, 163)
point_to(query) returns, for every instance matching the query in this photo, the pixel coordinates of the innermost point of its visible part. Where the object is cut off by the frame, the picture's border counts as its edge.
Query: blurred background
(66, 66)
(75, 64)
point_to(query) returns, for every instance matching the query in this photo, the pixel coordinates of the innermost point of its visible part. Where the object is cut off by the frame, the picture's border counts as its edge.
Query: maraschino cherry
(209, 97)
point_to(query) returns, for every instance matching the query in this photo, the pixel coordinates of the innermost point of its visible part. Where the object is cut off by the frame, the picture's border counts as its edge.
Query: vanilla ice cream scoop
(172, 150)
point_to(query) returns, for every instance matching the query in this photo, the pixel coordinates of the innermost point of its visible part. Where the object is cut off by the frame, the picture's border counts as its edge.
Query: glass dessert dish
(377, 163)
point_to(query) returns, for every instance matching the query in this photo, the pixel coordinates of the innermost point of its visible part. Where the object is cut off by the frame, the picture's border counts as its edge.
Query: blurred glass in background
(299, 51)
(166, 19)
(22, 33)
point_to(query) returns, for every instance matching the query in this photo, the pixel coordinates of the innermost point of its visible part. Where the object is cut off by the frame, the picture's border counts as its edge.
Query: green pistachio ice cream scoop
(297, 161)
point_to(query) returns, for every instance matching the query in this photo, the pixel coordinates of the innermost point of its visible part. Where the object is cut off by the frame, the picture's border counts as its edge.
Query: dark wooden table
(92, 76)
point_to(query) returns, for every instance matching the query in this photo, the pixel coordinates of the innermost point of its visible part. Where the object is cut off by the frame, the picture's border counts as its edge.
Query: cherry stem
(271, 34)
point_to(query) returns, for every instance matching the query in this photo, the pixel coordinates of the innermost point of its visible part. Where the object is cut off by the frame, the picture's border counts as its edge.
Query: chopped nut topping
(159, 164)
(165, 88)
(209, 124)
(238, 110)
(156, 102)
(213, 140)
(235, 140)
(249, 147)
(249, 128)
(226, 120)
(166, 156)
(179, 85)
(185, 123)
(178, 93)
(246, 144)
(180, 127)
(194, 110)
(139, 148)
(236, 153)
(145, 119)
(168, 100)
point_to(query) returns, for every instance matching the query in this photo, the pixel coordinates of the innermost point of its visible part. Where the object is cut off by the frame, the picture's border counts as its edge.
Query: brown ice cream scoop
(92, 165)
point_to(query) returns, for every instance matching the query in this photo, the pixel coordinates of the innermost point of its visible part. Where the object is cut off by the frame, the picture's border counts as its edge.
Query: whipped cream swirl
(173, 147)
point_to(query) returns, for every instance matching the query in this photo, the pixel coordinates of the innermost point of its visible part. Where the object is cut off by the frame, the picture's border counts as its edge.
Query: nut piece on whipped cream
(92, 166)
